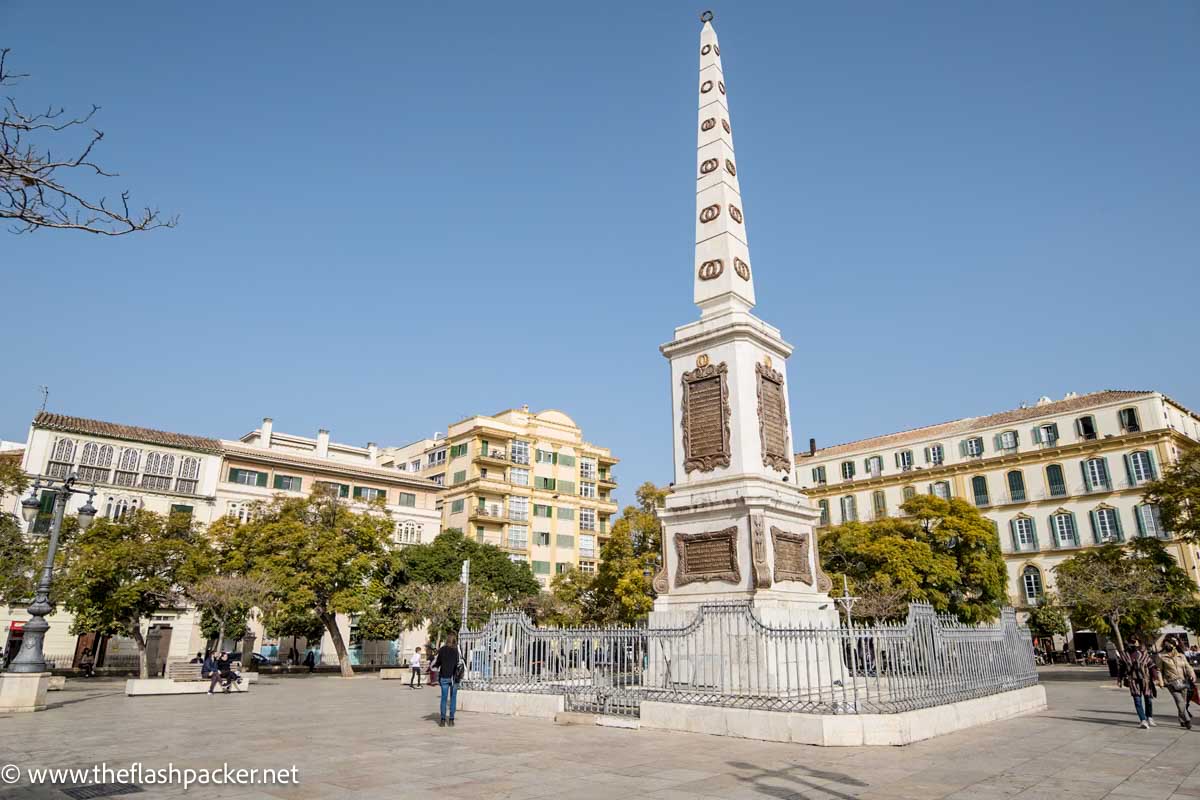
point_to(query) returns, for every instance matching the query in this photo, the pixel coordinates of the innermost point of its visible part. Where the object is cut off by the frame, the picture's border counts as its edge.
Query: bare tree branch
(32, 194)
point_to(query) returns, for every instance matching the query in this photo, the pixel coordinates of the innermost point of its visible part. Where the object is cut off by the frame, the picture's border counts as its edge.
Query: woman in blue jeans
(1139, 671)
(446, 664)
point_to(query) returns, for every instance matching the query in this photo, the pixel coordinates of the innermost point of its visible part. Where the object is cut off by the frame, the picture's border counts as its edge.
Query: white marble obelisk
(735, 526)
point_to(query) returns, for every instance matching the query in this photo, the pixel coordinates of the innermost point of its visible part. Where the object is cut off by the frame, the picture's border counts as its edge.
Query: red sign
(16, 626)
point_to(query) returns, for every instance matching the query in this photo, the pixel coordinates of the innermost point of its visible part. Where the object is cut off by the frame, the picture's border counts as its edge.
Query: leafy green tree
(19, 555)
(1047, 619)
(622, 590)
(439, 605)
(226, 603)
(440, 561)
(315, 553)
(1118, 589)
(1177, 495)
(942, 552)
(119, 573)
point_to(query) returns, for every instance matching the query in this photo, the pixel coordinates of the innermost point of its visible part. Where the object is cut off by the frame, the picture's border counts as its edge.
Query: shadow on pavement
(795, 776)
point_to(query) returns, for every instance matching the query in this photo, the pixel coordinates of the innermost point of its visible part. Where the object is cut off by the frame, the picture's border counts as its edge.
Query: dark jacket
(446, 661)
(208, 667)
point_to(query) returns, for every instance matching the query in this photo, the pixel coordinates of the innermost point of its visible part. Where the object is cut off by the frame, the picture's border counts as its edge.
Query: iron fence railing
(726, 655)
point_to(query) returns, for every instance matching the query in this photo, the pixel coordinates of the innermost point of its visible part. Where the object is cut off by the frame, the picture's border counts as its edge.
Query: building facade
(528, 483)
(1055, 478)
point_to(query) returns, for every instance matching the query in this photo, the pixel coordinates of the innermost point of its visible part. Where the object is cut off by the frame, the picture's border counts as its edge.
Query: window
(904, 459)
(1095, 474)
(369, 494)
(587, 567)
(587, 489)
(189, 475)
(1149, 521)
(130, 458)
(95, 462)
(457, 450)
(1007, 440)
(541, 568)
(979, 489)
(458, 506)
(518, 537)
(518, 476)
(407, 499)
(818, 474)
(1016, 486)
(287, 483)
(238, 511)
(973, 447)
(546, 457)
(159, 469)
(1106, 525)
(517, 558)
(824, 506)
(543, 511)
(1128, 418)
(1086, 427)
(847, 470)
(935, 454)
(64, 451)
(179, 508)
(459, 477)
(879, 504)
(408, 532)
(849, 510)
(436, 457)
(247, 477)
(1065, 533)
(542, 538)
(1031, 578)
(873, 466)
(415, 466)
(544, 483)
(566, 461)
(587, 519)
(340, 489)
(940, 489)
(909, 492)
(439, 479)
(566, 513)
(1024, 534)
(1140, 467)
(566, 487)
(587, 469)
(479, 533)
(1046, 434)
(518, 508)
(1055, 480)
(519, 452)
(564, 541)
(587, 545)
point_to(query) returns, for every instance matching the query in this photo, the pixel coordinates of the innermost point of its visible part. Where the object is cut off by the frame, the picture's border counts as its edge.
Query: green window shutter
(1095, 527)
(233, 475)
(1116, 515)
(1037, 435)
(1129, 468)
(1012, 530)
(1153, 466)
(1033, 530)
(998, 442)
(1107, 473)
(279, 482)
(357, 492)
(1087, 478)
(260, 479)
(1137, 516)
(1074, 528)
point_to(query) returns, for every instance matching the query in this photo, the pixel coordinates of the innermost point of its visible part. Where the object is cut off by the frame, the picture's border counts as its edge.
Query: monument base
(23, 691)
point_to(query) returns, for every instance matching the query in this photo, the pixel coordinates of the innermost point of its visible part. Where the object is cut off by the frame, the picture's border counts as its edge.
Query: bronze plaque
(772, 419)
(791, 556)
(707, 557)
(705, 418)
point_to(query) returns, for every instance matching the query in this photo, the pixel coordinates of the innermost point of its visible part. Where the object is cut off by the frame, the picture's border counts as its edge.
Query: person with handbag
(447, 664)
(1177, 677)
(1138, 671)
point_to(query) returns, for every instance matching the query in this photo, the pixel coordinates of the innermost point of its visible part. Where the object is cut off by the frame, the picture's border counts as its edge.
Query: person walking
(1139, 672)
(310, 661)
(212, 670)
(414, 662)
(1177, 677)
(446, 664)
(87, 663)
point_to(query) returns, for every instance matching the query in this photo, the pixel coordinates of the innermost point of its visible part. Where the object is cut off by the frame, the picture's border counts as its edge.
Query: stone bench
(184, 677)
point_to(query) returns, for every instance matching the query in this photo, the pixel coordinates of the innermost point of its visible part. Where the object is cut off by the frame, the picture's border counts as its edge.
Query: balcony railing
(490, 511)
(493, 454)
(518, 515)
(609, 479)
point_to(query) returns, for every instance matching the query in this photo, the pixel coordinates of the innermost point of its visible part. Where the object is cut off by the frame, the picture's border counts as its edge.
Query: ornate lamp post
(31, 659)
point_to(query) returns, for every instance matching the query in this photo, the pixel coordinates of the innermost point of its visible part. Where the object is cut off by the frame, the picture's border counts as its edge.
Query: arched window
(127, 467)
(94, 462)
(1065, 532)
(159, 469)
(979, 489)
(1031, 577)
(1139, 467)
(238, 511)
(108, 507)
(879, 504)
(1106, 525)
(849, 509)
(1095, 475)
(940, 489)
(1056, 484)
(910, 492)
(408, 532)
(1024, 534)
(61, 456)
(1016, 486)
(189, 473)
(122, 508)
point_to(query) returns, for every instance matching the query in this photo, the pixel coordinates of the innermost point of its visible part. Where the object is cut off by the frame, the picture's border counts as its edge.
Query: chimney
(812, 447)
(264, 439)
(373, 449)
(525, 408)
(322, 443)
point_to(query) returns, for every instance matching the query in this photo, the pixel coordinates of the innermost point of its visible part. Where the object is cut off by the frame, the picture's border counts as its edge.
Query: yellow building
(1055, 477)
(527, 483)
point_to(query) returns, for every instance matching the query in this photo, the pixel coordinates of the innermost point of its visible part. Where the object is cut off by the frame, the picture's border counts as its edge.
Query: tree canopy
(1177, 495)
(19, 555)
(941, 552)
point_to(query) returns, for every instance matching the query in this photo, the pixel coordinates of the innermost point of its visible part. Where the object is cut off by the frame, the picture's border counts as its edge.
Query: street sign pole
(465, 579)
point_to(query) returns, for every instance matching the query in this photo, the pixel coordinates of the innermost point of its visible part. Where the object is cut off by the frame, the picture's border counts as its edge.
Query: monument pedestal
(23, 691)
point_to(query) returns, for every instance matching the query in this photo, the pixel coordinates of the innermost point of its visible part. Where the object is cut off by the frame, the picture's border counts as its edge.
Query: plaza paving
(366, 738)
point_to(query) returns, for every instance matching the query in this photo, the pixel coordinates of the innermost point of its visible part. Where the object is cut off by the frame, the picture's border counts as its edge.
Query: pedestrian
(212, 670)
(293, 655)
(1139, 672)
(199, 659)
(414, 662)
(86, 663)
(1177, 677)
(431, 673)
(447, 663)
(310, 661)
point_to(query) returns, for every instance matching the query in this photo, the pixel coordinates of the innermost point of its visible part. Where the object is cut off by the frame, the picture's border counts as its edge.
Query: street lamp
(31, 659)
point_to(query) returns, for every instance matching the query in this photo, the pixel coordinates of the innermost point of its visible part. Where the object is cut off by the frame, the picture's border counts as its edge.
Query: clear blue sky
(396, 215)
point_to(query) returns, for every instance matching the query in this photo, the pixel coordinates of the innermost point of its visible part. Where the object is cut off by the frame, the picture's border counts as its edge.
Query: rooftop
(131, 433)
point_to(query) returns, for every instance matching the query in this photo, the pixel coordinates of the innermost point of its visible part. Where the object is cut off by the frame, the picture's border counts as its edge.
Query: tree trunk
(1071, 641)
(339, 645)
(135, 633)
(1117, 632)
(221, 634)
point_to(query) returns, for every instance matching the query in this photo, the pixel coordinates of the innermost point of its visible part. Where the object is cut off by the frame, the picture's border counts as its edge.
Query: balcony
(608, 480)
(610, 501)
(488, 512)
(518, 514)
(493, 456)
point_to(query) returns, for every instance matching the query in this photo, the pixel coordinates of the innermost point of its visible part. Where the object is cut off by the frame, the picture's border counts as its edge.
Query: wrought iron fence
(726, 655)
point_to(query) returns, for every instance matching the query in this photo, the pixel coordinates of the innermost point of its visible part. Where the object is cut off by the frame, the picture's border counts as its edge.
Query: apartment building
(1055, 477)
(527, 483)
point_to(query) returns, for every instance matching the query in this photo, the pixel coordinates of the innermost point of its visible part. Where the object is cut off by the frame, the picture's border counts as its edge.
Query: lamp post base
(23, 691)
